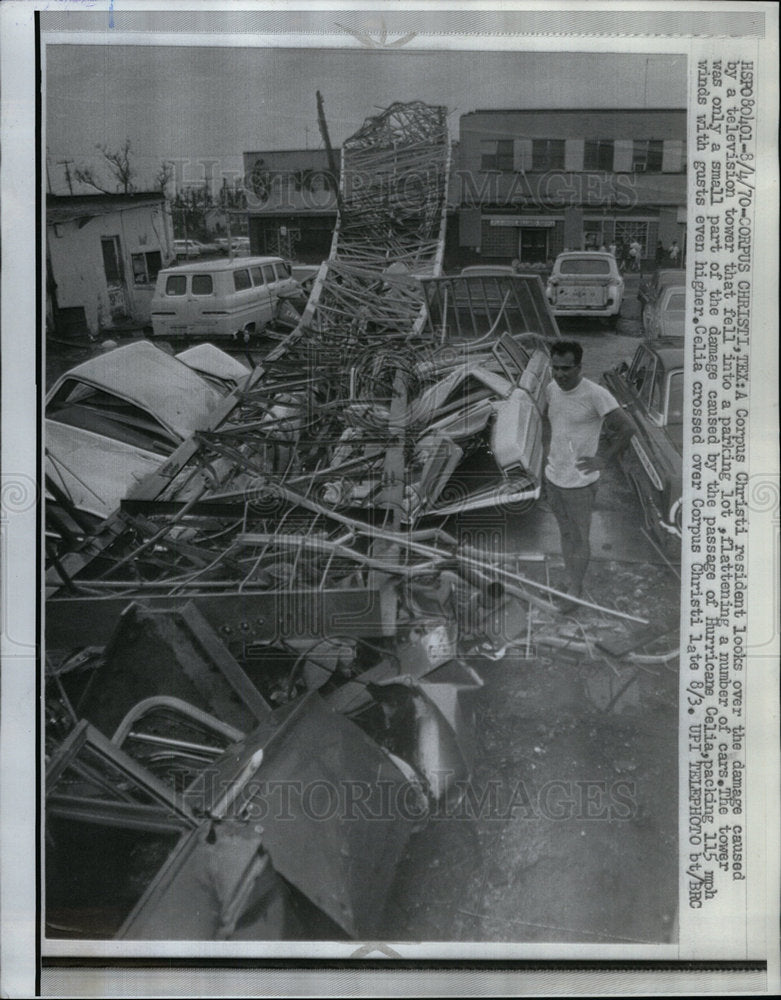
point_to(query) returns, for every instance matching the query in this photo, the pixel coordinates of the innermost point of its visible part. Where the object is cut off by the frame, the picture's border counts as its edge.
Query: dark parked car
(650, 390)
(652, 284)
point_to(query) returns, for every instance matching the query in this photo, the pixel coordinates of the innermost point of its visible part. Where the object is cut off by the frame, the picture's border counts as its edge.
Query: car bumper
(612, 310)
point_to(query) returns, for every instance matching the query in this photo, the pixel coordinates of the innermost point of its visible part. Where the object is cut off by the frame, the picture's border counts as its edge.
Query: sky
(199, 104)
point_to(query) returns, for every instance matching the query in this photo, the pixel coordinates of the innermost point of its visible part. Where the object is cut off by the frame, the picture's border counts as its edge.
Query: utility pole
(226, 204)
(66, 164)
(332, 165)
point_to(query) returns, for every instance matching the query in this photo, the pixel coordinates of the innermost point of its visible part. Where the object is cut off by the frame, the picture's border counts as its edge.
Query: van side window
(257, 277)
(176, 284)
(202, 284)
(241, 280)
(268, 273)
(283, 270)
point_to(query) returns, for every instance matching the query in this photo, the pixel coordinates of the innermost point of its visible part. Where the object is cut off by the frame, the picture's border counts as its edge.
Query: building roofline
(69, 199)
(256, 152)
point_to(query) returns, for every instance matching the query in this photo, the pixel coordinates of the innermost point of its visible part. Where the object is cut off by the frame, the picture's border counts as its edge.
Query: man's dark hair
(562, 347)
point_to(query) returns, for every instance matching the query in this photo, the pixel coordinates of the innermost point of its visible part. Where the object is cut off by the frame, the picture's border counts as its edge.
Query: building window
(497, 154)
(647, 155)
(547, 154)
(628, 232)
(594, 234)
(145, 267)
(598, 154)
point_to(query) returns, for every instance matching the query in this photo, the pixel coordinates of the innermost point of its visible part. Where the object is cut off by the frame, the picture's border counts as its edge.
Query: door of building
(533, 246)
(115, 277)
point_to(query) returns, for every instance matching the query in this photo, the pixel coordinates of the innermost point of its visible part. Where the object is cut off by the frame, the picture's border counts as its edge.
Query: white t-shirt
(576, 423)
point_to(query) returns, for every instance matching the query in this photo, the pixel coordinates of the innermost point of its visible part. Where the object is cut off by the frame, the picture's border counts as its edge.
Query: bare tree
(164, 176)
(118, 162)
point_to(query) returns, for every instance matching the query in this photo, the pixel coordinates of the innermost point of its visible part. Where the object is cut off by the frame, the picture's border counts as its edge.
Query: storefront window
(628, 232)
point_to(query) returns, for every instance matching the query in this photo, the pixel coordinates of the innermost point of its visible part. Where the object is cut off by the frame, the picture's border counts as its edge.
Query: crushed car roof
(143, 374)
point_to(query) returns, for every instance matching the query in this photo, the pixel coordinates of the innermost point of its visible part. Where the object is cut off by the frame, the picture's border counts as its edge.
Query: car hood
(144, 375)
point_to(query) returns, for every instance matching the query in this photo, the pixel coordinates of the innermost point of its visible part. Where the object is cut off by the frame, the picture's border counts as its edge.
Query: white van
(221, 298)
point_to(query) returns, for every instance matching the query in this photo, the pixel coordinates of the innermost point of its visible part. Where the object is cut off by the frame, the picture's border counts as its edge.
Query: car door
(650, 443)
(202, 312)
(262, 300)
(176, 306)
(285, 282)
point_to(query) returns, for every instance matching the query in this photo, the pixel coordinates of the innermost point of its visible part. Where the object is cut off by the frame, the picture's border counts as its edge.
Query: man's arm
(620, 432)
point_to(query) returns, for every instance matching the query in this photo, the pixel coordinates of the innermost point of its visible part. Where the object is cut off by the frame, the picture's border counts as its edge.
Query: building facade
(291, 203)
(524, 184)
(103, 252)
(534, 183)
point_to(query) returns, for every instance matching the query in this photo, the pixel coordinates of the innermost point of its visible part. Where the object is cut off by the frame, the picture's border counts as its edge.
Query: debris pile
(279, 605)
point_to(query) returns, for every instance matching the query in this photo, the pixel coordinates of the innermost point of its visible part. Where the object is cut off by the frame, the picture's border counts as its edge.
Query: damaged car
(650, 389)
(112, 420)
(476, 425)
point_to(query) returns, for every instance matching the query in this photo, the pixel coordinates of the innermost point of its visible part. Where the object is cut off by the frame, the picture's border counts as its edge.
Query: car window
(641, 374)
(675, 398)
(268, 273)
(241, 280)
(202, 284)
(584, 265)
(677, 302)
(257, 275)
(176, 284)
(78, 404)
(649, 382)
(656, 392)
(283, 270)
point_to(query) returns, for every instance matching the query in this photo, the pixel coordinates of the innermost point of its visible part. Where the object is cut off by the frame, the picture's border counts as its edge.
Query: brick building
(532, 183)
(524, 184)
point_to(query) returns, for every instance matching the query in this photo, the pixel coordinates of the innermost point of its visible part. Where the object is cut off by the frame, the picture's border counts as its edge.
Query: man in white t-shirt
(577, 410)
